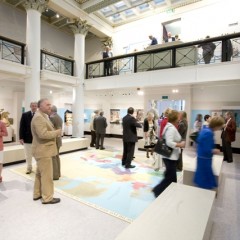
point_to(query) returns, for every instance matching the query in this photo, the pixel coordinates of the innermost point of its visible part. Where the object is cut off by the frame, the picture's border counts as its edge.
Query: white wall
(211, 19)
(13, 26)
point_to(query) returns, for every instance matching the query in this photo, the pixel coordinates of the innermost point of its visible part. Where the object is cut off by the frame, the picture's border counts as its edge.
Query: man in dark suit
(130, 126)
(57, 123)
(25, 134)
(100, 125)
(170, 38)
(108, 65)
(228, 136)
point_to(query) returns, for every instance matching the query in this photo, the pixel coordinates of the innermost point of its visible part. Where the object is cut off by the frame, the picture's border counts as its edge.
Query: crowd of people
(41, 133)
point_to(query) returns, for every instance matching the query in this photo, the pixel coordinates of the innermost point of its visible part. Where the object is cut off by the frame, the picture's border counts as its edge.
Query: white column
(78, 90)
(32, 84)
(33, 37)
(80, 29)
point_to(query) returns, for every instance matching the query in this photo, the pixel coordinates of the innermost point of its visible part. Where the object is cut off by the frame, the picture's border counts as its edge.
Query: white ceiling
(119, 12)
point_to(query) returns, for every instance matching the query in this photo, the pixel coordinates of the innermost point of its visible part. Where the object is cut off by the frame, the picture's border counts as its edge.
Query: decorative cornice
(39, 5)
(79, 26)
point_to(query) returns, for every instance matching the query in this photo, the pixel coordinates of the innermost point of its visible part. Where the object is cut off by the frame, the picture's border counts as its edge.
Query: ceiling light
(50, 91)
(57, 15)
(175, 90)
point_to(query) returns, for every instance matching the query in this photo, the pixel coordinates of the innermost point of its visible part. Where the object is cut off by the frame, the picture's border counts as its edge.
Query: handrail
(180, 45)
(56, 66)
(16, 43)
(174, 52)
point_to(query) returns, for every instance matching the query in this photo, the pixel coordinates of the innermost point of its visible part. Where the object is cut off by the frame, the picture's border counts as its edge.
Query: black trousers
(93, 138)
(170, 176)
(99, 138)
(128, 152)
(227, 150)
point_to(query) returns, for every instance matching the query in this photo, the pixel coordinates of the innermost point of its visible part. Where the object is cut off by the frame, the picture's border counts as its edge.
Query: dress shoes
(102, 148)
(54, 200)
(36, 198)
(130, 166)
(92, 145)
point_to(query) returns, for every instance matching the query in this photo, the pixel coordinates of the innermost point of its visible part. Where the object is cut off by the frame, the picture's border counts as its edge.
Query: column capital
(39, 5)
(79, 26)
(107, 42)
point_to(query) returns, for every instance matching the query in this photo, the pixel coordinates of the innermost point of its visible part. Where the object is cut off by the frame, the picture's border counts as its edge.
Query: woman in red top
(3, 132)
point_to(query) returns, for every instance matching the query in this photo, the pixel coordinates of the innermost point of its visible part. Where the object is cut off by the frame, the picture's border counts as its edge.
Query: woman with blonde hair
(149, 129)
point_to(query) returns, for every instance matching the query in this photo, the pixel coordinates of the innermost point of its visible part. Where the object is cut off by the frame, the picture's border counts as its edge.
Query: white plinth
(181, 212)
(16, 153)
(10, 135)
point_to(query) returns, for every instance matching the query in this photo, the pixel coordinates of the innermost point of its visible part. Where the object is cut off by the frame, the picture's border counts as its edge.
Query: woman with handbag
(149, 128)
(173, 140)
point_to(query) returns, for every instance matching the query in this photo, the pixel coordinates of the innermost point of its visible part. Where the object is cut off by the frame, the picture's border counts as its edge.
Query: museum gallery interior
(87, 55)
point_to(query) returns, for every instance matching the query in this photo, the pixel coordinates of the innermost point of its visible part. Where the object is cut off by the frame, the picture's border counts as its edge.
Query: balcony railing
(226, 48)
(55, 63)
(11, 50)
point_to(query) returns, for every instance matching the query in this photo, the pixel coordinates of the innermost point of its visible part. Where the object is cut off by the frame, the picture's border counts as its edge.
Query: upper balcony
(211, 59)
(164, 64)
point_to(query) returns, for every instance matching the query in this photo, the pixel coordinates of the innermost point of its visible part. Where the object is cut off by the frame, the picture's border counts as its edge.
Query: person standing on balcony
(208, 50)
(170, 38)
(154, 40)
(108, 65)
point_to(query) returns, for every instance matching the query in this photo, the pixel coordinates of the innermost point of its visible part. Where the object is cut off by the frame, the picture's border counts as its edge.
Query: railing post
(41, 58)
(135, 64)
(72, 69)
(224, 50)
(173, 58)
(22, 54)
(86, 71)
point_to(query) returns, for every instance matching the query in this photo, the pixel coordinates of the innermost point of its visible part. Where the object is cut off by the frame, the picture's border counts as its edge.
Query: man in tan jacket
(44, 148)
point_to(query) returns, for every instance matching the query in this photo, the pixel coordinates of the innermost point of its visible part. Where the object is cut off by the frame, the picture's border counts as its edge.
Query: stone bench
(181, 212)
(15, 153)
(189, 167)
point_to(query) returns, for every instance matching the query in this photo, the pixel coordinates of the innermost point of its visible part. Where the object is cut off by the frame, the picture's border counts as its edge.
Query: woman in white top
(173, 140)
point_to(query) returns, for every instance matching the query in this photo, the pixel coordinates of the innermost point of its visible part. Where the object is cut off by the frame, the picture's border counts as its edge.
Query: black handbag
(162, 148)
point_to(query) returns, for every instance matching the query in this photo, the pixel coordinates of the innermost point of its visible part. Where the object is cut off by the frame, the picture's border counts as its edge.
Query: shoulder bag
(162, 148)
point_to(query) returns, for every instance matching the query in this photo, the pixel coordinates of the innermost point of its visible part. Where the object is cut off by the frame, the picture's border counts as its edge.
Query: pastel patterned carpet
(96, 178)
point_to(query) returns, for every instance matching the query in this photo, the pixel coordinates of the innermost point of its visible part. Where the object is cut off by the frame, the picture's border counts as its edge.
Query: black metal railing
(55, 63)
(207, 51)
(11, 50)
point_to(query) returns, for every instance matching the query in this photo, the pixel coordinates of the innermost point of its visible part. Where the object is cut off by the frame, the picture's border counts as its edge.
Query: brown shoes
(54, 200)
